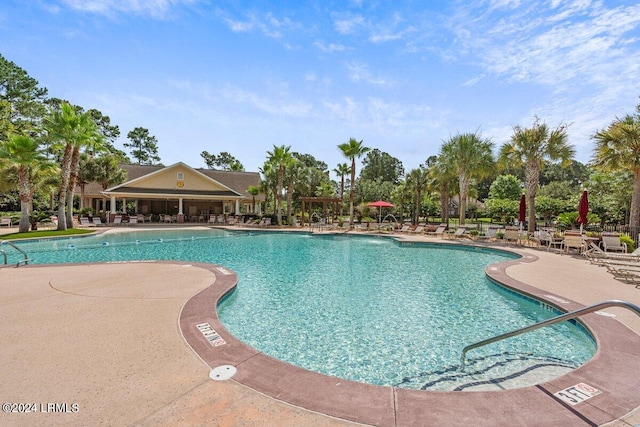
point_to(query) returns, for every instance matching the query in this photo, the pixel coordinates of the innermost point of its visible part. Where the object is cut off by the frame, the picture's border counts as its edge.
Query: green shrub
(629, 241)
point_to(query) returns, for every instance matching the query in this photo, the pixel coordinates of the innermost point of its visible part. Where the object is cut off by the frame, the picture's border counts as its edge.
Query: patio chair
(573, 240)
(117, 220)
(439, 231)
(611, 243)
(133, 220)
(512, 234)
(97, 221)
(492, 230)
(5, 222)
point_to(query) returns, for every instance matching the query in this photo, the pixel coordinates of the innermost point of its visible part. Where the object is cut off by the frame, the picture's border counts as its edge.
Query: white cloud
(329, 48)
(266, 23)
(360, 72)
(154, 8)
(348, 24)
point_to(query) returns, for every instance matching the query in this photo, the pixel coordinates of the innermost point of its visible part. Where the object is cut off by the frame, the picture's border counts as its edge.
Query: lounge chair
(5, 222)
(598, 256)
(419, 229)
(573, 240)
(84, 222)
(439, 231)
(626, 273)
(611, 243)
(405, 228)
(133, 220)
(117, 220)
(97, 221)
(460, 232)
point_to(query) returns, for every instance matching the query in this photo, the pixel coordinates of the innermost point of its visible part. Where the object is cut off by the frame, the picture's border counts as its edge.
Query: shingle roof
(237, 181)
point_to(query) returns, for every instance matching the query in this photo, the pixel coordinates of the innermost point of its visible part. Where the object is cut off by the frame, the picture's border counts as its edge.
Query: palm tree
(470, 157)
(618, 148)
(106, 171)
(294, 169)
(442, 180)
(67, 128)
(351, 150)
(92, 141)
(342, 170)
(279, 158)
(533, 148)
(23, 155)
(254, 191)
(417, 181)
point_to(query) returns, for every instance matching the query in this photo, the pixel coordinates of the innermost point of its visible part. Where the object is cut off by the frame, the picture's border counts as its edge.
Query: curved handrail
(24, 254)
(553, 320)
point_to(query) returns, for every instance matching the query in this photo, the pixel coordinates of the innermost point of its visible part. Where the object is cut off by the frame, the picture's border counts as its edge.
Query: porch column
(124, 205)
(113, 204)
(237, 211)
(180, 207)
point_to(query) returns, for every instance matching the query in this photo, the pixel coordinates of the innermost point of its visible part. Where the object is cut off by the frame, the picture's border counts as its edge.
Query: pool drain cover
(222, 373)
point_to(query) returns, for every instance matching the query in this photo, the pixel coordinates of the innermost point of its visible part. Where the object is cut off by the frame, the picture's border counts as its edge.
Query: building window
(180, 176)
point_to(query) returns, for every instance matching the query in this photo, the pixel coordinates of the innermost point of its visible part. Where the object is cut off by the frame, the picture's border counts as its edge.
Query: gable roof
(235, 182)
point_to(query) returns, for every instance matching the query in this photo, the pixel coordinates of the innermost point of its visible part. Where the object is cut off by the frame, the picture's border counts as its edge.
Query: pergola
(324, 200)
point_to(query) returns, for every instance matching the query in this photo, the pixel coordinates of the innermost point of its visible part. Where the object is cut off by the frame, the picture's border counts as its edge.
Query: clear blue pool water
(363, 308)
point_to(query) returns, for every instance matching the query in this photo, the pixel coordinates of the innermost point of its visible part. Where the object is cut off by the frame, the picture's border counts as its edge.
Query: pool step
(492, 372)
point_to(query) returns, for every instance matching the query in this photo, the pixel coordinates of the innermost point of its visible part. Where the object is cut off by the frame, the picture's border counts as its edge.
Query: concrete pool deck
(83, 334)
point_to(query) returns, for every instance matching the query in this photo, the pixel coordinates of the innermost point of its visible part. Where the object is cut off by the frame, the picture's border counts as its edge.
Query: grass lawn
(45, 233)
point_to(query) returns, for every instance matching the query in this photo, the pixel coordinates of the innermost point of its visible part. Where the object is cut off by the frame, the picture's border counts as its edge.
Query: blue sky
(241, 76)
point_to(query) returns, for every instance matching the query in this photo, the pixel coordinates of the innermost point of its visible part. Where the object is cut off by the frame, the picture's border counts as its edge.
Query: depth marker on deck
(210, 334)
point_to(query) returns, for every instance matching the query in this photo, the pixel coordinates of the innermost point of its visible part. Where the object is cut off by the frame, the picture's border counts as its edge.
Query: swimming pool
(364, 308)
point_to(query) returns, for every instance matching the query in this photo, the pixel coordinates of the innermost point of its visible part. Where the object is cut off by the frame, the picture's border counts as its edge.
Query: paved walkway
(103, 343)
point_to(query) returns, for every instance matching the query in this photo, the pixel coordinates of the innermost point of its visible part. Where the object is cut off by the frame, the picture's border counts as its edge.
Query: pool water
(364, 308)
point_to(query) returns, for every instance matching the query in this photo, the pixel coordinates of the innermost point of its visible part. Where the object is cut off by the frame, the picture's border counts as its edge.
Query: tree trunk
(25, 201)
(73, 179)
(532, 179)
(416, 213)
(289, 203)
(464, 192)
(279, 195)
(352, 191)
(634, 216)
(341, 193)
(64, 183)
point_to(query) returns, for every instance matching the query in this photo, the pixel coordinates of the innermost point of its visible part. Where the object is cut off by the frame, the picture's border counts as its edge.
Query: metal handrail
(24, 254)
(553, 320)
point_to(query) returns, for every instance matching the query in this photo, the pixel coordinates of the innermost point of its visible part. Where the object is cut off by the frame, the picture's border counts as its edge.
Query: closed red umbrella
(522, 214)
(380, 204)
(583, 209)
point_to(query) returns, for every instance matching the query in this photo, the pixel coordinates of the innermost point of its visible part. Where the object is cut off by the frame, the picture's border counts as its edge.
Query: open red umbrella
(583, 210)
(380, 204)
(522, 213)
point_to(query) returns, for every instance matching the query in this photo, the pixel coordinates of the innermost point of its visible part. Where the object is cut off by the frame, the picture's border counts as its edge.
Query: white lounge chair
(439, 231)
(5, 222)
(84, 222)
(97, 221)
(419, 229)
(117, 220)
(460, 231)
